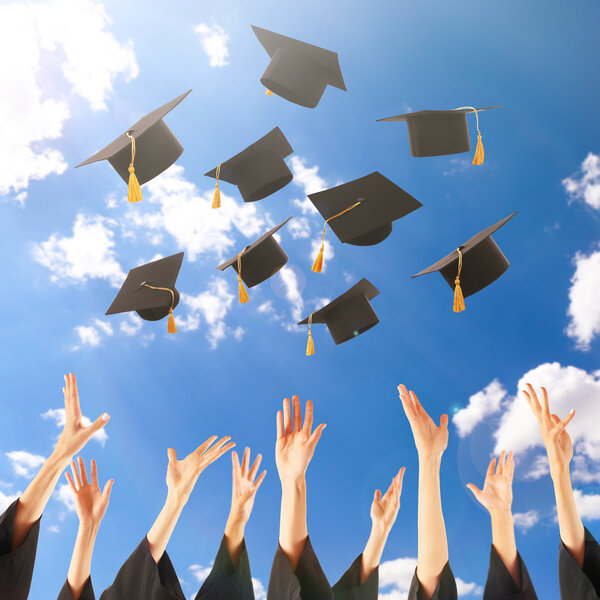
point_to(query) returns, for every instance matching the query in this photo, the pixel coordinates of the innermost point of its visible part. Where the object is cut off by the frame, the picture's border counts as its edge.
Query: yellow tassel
(318, 264)
(479, 153)
(268, 93)
(216, 203)
(171, 327)
(459, 301)
(310, 346)
(134, 192)
(242, 292)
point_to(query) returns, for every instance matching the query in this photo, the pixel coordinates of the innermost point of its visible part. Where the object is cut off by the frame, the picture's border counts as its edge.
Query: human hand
(496, 495)
(75, 434)
(385, 510)
(90, 503)
(183, 474)
(556, 439)
(430, 440)
(245, 486)
(296, 444)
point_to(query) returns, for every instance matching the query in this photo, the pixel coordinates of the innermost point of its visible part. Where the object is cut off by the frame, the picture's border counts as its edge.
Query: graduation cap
(347, 316)
(298, 72)
(258, 261)
(157, 149)
(361, 212)
(438, 132)
(150, 291)
(472, 266)
(258, 171)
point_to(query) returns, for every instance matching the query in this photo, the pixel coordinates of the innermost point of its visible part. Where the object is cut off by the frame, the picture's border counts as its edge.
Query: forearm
(372, 552)
(234, 537)
(293, 530)
(163, 527)
(503, 538)
(572, 533)
(433, 546)
(79, 569)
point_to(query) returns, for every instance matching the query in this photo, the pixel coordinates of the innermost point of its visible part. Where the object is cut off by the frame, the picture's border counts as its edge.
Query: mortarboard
(298, 72)
(472, 266)
(347, 316)
(438, 132)
(258, 171)
(258, 261)
(361, 212)
(150, 291)
(157, 149)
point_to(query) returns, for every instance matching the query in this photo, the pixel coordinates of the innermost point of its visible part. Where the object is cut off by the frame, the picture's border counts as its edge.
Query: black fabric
(575, 581)
(349, 587)
(16, 567)
(86, 594)
(501, 586)
(445, 589)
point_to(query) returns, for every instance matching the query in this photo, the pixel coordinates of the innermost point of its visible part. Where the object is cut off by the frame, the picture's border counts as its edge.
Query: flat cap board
(425, 113)
(382, 202)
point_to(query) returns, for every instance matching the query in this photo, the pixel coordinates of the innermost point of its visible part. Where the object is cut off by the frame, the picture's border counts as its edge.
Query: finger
(246, 462)
(390, 489)
(297, 413)
(377, 496)
(202, 448)
(287, 417)
(406, 401)
(509, 470)
(67, 399)
(75, 408)
(476, 491)
(71, 484)
(545, 404)
(172, 455)
(416, 404)
(81, 464)
(534, 399)
(219, 445)
(106, 491)
(316, 436)
(255, 466)
(235, 461)
(444, 421)
(98, 424)
(308, 418)
(562, 424)
(500, 465)
(258, 482)
(94, 478)
(75, 474)
(280, 432)
(213, 456)
(491, 467)
(400, 477)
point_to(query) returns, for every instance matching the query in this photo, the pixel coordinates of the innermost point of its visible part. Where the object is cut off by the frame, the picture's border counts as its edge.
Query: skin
(431, 441)
(91, 505)
(73, 438)
(181, 479)
(560, 452)
(496, 496)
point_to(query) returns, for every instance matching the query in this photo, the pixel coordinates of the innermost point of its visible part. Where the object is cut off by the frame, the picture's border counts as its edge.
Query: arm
(242, 500)
(73, 438)
(431, 441)
(496, 497)
(560, 452)
(91, 506)
(383, 515)
(181, 479)
(294, 450)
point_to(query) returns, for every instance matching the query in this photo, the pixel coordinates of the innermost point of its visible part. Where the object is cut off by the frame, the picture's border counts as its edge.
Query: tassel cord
(171, 327)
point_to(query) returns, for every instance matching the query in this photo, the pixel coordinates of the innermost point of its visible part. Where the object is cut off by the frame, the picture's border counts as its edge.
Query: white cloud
(540, 468)
(299, 228)
(586, 184)
(73, 35)
(309, 180)
(132, 325)
(7, 499)
(103, 326)
(527, 520)
(584, 299)
(584, 470)
(214, 43)
(92, 335)
(259, 589)
(266, 307)
(53, 529)
(64, 495)
(199, 572)
(467, 588)
(58, 416)
(24, 463)
(458, 165)
(88, 254)
(588, 505)
(482, 404)
(293, 293)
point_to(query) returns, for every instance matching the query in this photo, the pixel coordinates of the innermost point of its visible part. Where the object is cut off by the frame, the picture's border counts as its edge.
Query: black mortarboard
(150, 142)
(258, 261)
(259, 170)
(438, 132)
(472, 266)
(347, 316)
(361, 212)
(150, 290)
(298, 72)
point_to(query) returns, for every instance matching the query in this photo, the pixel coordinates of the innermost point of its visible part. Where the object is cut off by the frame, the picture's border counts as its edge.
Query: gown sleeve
(140, 578)
(16, 567)
(86, 594)
(576, 582)
(445, 590)
(226, 583)
(308, 582)
(501, 586)
(349, 587)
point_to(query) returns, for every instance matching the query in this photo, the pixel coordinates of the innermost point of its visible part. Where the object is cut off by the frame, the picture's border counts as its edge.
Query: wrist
(430, 462)
(501, 514)
(293, 481)
(379, 530)
(89, 528)
(560, 471)
(58, 459)
(176, 500)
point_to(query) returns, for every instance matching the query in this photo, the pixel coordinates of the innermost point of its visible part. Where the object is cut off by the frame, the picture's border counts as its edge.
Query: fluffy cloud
(585, 185)
(588, 505)
(92, 335)
(299, 227)
(7, 499)
(584, 299)
(465, 588)
(481, 405)
(540, 467)
(64, 495)
(72, 34)
(58, 416)
(309, 180)
(214, 43)
(24, 463)
(527, 520)
(293, 292)
(87, 254)
(132, 325)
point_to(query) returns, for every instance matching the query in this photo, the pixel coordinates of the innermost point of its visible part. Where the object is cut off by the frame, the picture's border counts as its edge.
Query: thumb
(100, 422)
(377, 497)
(476, 491)
(107, 489)
(172, 455)
(444, 421)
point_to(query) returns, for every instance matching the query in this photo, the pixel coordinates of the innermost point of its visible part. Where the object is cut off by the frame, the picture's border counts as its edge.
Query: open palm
(245, 485)
(497, 488)
(384, 510)
(90, 503)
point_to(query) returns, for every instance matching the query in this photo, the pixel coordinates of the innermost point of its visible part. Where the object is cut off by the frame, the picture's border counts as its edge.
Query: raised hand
(245, 485)
(90, 503)
(496, 495)
(430, 440)
(556, 439)
(296, 444)
(384, 510)
(183, 474)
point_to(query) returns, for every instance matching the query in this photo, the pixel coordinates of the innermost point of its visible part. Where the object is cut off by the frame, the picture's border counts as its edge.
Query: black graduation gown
(16, 568)
(501, 586)
(445, 589)
(86, 594)
(576, 582)
(309, 582)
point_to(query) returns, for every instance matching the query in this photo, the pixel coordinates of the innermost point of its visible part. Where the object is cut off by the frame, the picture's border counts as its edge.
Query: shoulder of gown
(578, 582)
(501, 586)
(86, 594)
(445, 589)
(349, 587)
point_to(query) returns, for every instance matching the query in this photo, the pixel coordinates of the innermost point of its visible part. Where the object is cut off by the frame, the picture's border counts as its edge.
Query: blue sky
(84, 71)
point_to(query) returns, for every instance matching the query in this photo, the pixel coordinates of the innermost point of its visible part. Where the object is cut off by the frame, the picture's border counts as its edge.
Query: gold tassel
(310, 346)
(459, 301)
(134, 191)
(243, 294)
(171, 327)
(268, 93)
(318, 264)
(479, 153)
(216, 203)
